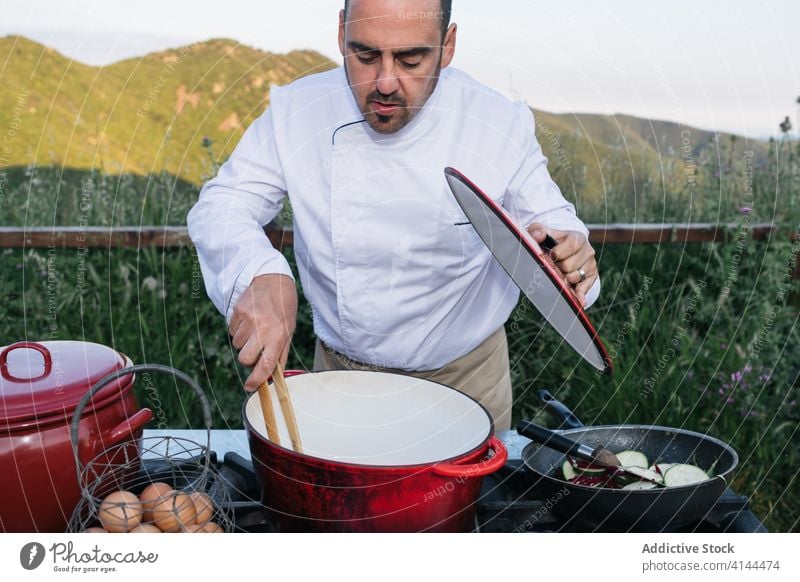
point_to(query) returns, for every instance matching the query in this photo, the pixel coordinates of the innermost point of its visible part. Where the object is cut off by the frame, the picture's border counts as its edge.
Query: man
(396, 276)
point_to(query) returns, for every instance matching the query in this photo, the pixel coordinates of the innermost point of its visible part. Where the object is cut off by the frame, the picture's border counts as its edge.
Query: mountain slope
(138, 115)
(152, 113)
(592, 154)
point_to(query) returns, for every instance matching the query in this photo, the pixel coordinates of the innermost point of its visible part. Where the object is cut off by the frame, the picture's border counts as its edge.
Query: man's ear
(449, 45)
(341, 32)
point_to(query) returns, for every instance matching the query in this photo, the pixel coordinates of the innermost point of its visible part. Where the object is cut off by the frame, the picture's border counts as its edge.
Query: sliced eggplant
(646, 474)
(632, 459)
(679, 475)
(589, 469)
(568, 470)
(662, 468)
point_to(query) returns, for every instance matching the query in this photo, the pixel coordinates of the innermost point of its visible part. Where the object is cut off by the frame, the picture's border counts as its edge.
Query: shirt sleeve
(533, 196)
(227, 223)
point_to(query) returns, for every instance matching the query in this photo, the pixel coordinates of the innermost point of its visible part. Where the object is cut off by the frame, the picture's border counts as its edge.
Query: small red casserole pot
(40, 385)
(381, 453)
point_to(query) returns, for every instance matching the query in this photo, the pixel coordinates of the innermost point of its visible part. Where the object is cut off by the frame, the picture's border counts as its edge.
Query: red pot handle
(126, 429)
(48, 361)
(289, 374)
(123, 431)
(479, 469)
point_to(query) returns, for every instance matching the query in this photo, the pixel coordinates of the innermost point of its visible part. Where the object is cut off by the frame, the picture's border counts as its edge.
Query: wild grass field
(703, 336)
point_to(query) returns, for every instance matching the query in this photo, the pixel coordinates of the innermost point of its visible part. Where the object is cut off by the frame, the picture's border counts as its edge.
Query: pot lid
(38, 379)
(533, 272)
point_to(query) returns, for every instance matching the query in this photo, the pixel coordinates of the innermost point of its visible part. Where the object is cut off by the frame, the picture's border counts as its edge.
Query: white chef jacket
(394, 273)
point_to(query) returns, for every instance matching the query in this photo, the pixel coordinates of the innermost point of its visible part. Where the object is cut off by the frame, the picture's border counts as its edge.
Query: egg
(152, 494)
(94, 530)
(145, 528)
(120, 512)
(212, 527)
(204, 507)
(175, 513)
(196, 528)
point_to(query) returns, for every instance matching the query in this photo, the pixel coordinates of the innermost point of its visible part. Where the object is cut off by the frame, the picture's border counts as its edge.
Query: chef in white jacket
(396, 276)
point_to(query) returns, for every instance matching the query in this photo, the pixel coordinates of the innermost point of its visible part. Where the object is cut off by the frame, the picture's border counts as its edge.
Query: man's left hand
(573, 255)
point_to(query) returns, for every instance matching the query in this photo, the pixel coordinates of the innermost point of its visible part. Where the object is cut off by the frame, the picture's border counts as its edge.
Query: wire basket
(193, 497)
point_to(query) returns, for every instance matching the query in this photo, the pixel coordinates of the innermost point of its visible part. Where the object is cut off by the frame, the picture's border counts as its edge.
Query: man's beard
(388, 124)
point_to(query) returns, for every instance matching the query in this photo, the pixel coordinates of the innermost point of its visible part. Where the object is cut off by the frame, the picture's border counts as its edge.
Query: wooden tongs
(286, 407)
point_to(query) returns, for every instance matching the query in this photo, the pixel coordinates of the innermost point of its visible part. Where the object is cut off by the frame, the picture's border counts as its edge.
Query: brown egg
(204, 507)
(175, 513)
(196, 528)
(94, 530)
(145, 528)
(212, 527)
(152, 494)
(120, 512)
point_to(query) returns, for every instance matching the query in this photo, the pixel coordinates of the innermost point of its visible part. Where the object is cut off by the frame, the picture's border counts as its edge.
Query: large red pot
(40, 385)
(381, 453)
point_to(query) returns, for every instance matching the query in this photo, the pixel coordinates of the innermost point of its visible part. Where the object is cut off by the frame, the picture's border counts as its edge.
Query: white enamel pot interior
(377, 419)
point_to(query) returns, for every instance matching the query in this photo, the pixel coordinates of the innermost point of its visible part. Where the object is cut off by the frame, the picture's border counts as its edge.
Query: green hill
(151, 114)
(592, 155)
(139, 115)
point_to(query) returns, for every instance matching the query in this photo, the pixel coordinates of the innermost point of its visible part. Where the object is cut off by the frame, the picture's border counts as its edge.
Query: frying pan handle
(555, 441)
(549, 243)
(559, 410)
(479, 469)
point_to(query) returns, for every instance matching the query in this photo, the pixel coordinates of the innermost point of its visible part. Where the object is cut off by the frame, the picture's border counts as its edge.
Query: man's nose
(387, 82)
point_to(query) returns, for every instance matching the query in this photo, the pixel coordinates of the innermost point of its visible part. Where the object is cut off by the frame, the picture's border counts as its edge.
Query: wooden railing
(67, 237)
(76, 237)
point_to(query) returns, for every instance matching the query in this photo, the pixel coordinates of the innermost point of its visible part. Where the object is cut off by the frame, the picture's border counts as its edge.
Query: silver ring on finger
(582, 274)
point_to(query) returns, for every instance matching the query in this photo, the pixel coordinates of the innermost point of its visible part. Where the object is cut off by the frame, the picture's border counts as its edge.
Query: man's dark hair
(446, 9)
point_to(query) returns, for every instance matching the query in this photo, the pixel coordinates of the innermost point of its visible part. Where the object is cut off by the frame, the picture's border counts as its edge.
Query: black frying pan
(660, 509)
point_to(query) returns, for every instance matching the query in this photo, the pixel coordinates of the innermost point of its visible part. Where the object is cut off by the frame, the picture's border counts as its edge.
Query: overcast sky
(730, 66)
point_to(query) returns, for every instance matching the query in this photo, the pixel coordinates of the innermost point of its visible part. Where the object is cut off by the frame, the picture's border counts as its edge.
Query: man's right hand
(262, 325)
